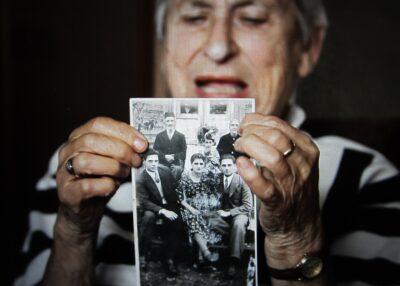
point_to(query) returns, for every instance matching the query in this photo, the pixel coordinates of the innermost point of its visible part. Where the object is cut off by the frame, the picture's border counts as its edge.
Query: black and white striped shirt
(359, 196)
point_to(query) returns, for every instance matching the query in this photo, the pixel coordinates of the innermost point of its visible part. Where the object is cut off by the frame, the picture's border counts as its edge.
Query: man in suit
(171, 146)
(225, 144)
(157, 199)
(237, 203)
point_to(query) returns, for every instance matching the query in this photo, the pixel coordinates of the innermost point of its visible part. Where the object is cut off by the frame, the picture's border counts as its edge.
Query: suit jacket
(176, 146)
(225, 145)
(237, 198)
(148, 195)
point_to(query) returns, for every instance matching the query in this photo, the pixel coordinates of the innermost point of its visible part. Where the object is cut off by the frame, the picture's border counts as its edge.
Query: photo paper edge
(134, 207)
(133, 183)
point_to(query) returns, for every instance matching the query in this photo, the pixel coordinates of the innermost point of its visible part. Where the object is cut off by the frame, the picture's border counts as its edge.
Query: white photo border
(133, 181)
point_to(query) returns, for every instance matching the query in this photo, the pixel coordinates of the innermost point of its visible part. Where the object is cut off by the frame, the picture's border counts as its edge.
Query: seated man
(156, 196)
(237, 203)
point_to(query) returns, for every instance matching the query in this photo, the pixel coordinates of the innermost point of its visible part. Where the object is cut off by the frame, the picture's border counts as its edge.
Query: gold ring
(289, 151)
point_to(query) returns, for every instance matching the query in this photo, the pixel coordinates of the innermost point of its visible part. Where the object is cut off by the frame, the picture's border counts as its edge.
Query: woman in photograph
(210, 153)
(199, 197)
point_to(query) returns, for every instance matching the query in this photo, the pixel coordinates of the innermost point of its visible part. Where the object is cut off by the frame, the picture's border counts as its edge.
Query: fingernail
(139, 144)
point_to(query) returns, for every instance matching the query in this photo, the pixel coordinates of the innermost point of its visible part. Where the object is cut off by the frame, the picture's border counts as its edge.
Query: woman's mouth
(212, 87)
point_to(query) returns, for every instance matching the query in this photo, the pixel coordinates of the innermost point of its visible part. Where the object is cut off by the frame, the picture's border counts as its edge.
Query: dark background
(64, 62)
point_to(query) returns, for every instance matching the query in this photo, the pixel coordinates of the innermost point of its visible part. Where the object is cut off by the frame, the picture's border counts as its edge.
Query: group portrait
(195, 216)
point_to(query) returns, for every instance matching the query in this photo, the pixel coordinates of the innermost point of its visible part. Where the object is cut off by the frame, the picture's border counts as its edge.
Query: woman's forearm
(72, 258)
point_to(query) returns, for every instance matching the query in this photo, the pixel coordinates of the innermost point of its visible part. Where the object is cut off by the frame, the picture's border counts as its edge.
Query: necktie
(226, 183)
(157, 178)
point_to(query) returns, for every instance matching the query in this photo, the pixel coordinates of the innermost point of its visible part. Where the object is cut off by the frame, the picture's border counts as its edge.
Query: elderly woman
(259, 49)
(199, 197)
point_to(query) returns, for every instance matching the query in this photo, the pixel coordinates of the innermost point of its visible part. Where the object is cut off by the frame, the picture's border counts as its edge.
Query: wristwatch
(309, 267)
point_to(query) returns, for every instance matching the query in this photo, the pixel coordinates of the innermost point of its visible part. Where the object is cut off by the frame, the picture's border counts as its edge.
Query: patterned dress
(205, 197)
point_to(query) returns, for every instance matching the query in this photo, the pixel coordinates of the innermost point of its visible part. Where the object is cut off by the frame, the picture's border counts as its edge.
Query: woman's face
(235, 49)
(198, 165)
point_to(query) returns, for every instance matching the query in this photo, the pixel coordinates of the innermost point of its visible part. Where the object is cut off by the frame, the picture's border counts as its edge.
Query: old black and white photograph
(194, 216)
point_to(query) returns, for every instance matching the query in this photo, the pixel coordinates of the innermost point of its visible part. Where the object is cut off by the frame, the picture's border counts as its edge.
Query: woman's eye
(195, 19)
(253, 21)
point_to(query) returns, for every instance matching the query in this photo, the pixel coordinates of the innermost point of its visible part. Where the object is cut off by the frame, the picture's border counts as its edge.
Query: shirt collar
(296, 115)
(229, 178)
(152, 174)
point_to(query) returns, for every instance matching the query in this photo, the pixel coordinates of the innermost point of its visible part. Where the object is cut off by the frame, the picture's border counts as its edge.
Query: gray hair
(311, 14)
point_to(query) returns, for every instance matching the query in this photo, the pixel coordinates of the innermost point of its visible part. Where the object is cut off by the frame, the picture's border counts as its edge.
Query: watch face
(311, 267)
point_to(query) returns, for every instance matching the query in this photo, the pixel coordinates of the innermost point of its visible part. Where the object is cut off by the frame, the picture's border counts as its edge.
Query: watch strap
(296, 273)
(292, 274)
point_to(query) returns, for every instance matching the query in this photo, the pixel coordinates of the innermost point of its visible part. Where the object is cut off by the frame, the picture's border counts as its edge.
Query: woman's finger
(253, 177)
(113, 128)
(273, 136)
(265, 154)
(76, 191)
(87, 164)
(103, 145)
(300, 138)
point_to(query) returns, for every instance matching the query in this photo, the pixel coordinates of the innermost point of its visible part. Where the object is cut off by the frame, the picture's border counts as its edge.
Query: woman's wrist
(286, 250)
(73, 231)
(72, 258)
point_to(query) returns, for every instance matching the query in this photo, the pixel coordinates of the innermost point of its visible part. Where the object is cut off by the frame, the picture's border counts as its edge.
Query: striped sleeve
(361, 212)
(360, 201)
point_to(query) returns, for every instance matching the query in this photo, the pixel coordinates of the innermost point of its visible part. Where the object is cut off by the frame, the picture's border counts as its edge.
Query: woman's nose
(220, 45)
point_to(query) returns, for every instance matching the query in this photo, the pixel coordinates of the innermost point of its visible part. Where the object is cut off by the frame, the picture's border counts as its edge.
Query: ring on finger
(69, 167)
(290, 150)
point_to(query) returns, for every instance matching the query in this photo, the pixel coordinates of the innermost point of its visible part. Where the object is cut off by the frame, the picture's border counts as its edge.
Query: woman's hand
(102, 151)
(100, 154)
(286, 183)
